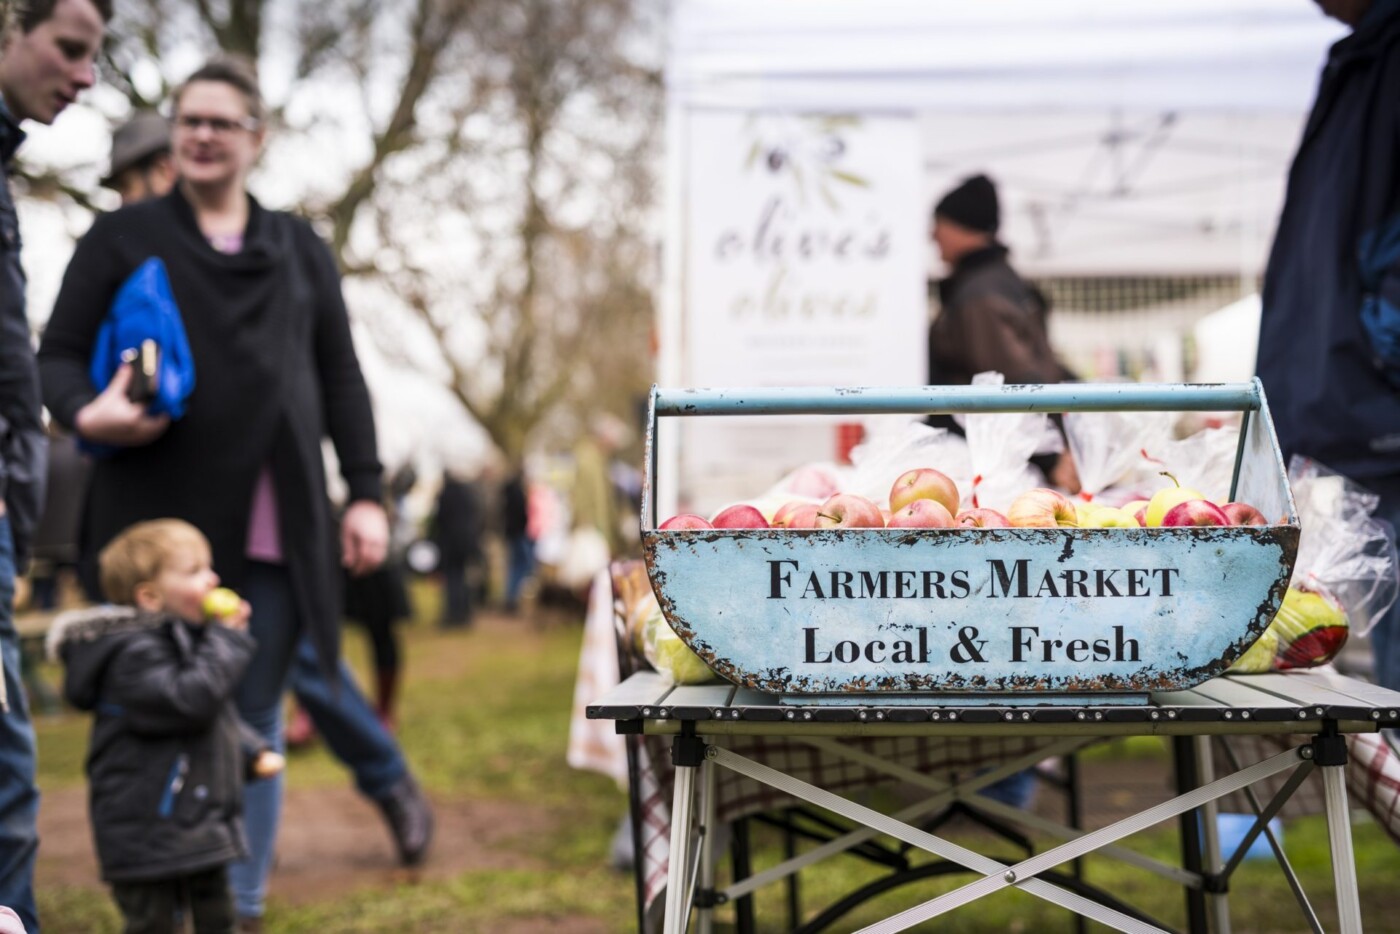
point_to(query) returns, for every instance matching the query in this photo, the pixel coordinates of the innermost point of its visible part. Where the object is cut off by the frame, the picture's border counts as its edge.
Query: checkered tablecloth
(738, 796)
(1372, 774)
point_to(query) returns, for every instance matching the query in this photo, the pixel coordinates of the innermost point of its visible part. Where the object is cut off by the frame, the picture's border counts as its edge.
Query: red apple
(739, 516)
(796, 515)
(779, 520)
(1167, 497)
(1137, 509)
(1195, 512)
(810, 480)
(924, 483)
(849, 511)
(981, 518)
(1042, 508)
(685, 521)
(921, 514)
(1243, 514)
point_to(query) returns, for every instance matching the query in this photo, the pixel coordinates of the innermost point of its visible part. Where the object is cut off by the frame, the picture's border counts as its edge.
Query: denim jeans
(19, 797)
(1385, 637)
(520, 565)
(346, 720)
(349, 725)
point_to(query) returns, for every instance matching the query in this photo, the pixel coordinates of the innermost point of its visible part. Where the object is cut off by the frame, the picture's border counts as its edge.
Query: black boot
(410, 819)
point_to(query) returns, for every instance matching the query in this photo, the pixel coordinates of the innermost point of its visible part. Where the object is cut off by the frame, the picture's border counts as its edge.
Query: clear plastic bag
(1204, 461)
(878, 462)
(1345, 576)
(665, 650)
(1107, 446)
(644, 631)
(1000, 447)
(1342, 549)
(810, 483)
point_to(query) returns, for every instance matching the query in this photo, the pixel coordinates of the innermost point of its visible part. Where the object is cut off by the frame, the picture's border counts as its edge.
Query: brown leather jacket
(991, 319)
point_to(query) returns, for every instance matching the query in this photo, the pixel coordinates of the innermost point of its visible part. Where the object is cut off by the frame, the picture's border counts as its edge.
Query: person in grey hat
(141, 165)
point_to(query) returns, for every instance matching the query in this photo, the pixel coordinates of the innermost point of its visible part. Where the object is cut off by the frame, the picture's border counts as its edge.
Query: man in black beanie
(990, 318)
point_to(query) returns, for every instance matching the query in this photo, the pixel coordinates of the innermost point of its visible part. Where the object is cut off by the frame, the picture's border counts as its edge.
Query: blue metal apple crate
(976, 616)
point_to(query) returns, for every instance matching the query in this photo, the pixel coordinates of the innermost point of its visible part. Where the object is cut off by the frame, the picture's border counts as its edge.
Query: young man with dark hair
(47, 58)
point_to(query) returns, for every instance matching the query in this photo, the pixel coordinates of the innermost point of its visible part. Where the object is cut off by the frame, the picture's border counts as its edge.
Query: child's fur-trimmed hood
(92, 623)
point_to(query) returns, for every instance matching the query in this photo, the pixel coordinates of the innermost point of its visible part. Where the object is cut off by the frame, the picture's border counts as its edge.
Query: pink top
(264, 536)
(10, 922)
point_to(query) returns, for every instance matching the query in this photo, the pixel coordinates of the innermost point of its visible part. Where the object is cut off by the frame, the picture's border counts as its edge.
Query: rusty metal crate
(993, 616)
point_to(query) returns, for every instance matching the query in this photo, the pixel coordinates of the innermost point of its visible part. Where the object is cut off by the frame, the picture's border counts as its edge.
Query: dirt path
(331, 841)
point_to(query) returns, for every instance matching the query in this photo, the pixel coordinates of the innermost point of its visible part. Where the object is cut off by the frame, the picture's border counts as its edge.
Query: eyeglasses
(219, 126)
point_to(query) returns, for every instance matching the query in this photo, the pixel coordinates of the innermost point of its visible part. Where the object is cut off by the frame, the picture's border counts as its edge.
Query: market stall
(1029, 638)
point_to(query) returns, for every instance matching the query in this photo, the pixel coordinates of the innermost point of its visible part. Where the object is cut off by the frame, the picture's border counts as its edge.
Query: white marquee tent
(1127, 139)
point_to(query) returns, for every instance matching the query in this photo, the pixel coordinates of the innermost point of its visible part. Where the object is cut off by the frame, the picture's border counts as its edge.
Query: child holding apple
(168, 753)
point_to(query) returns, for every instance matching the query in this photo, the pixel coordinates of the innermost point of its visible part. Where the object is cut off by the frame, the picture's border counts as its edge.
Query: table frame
(1320, 707)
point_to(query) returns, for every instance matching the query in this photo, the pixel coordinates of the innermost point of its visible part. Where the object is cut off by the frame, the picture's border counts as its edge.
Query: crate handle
(1060, 397)
(930, 400)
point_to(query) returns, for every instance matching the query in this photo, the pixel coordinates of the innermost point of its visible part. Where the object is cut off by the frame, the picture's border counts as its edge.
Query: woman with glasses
(275, 372)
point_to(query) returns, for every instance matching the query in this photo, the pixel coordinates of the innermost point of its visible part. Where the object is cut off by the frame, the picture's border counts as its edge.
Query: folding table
(1314, 711)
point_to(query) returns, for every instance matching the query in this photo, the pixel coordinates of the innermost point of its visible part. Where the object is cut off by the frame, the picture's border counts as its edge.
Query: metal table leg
(707, 849)
(1331, 757)
(687, 754)
(1187, 779)
(1217, 902)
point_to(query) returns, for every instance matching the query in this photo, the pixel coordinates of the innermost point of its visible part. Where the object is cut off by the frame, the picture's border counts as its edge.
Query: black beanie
(973, 204)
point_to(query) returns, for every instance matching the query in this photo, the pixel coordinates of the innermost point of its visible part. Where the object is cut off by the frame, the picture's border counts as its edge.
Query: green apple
(1164, 499)
(1109, 517)
(1084, 514)
(221, 603)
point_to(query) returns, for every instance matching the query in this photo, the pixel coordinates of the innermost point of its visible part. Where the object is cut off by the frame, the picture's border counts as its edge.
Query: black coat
(1328, 399)
(515, 510)
(275, 373)
(23, 447)
(990, 319)
(167, 754)
(459, 522)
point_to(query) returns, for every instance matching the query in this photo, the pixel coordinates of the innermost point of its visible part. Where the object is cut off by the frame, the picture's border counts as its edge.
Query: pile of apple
(925, 498)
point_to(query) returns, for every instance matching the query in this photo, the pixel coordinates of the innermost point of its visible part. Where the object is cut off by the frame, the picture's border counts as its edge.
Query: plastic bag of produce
(667, 653)
(1345, 576)
(643, 631)
(1342, 550)
(879, 461)
(1000, 447)
(632, 602)
(1107, 447)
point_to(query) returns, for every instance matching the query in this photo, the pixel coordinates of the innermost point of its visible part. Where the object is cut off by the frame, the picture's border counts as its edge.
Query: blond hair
(141, 552)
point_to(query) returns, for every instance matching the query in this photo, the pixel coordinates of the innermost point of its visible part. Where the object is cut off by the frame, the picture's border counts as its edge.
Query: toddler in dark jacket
(168, 753)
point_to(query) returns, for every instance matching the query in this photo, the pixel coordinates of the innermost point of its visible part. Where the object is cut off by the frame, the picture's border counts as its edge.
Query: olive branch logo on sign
(806, 150)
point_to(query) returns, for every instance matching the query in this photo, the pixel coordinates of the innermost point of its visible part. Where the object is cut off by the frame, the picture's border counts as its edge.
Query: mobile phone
(145, 371)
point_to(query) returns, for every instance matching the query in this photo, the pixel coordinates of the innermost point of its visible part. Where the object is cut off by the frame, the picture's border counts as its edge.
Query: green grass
(485, 716)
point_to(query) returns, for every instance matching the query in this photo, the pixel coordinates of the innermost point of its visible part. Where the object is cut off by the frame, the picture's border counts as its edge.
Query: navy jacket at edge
(23, 445)
(1329, 400)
